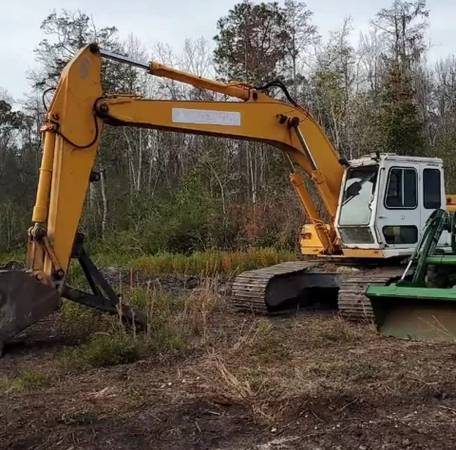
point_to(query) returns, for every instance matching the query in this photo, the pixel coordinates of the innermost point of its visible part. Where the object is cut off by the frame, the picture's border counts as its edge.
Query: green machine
(421, 305)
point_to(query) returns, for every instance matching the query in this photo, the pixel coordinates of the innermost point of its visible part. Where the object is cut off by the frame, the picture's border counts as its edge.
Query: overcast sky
(174, 20)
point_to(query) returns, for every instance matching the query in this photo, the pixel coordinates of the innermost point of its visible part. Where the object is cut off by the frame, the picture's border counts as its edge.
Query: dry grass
(200, 306)
(230, 385)
(265, 365)
(338, 330)
(258, 362)
(174, 323)
(210, 263)
(268, 366)
(285, 374)
(103, 350)
(243, 371)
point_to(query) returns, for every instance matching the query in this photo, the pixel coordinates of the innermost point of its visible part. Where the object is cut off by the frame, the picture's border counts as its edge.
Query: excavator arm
(79, 111)
(74, 124)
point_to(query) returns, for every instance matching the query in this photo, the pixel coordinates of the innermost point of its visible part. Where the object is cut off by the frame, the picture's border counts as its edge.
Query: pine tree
(402, 27)
(400, 121)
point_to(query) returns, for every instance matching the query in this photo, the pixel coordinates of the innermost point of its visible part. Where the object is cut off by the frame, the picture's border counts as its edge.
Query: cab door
(398, 209)
(432, 193)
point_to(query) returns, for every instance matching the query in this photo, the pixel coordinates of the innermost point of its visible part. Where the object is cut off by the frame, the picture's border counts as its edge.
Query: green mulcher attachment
(422, 304)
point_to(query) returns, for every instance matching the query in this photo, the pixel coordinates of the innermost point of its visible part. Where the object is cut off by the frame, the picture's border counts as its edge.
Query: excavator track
(352, 301)
(262, 290)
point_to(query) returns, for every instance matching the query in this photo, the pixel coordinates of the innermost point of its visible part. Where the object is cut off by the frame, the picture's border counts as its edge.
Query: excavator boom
(79, 111)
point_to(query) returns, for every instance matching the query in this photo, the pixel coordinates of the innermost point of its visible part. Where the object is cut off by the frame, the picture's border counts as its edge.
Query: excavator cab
(385, 202)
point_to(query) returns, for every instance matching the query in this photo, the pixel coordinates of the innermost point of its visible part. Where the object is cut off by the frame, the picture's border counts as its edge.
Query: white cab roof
(391, 157)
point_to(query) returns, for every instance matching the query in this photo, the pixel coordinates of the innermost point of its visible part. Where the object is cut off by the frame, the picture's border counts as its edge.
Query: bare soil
(305, 381)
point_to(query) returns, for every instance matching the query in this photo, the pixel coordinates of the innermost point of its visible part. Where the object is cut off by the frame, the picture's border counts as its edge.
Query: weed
(79, 418)
(322, 376)
(262, 342)
(174, 321)
(250, 387)
(78, 322)
(210, 263)
(338, 330)
(166, 330)
(268, 346)
(227, 383)
(200, 306)
(28, 380)
(103, 350)
(16, 256)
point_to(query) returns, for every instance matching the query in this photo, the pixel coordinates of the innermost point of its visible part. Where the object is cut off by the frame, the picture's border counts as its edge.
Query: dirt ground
(305, 381)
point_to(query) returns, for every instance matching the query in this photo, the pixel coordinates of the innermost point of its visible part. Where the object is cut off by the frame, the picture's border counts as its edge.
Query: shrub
(77, 322)
(28, 380)
(166, 330)
(102, 351)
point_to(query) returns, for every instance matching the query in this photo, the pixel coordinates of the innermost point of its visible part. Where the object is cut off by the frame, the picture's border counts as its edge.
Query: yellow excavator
(375, 206)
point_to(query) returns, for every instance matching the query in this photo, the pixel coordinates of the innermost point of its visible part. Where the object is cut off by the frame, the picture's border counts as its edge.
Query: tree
(442, 122)
(402, 126)
(16, 176)
(301, 33)
(403, 26)
(252, 43)
(331, 86)
(66, 33)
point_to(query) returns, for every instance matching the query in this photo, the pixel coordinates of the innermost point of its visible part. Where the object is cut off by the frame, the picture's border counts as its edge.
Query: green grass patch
(83, 417)
(269, 345)
(103, 351)
(77, 322)
(17, 256)
(108, 343)
(28, 380)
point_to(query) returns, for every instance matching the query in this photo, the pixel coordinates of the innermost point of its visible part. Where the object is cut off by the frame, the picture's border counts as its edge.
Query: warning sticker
(206, 117)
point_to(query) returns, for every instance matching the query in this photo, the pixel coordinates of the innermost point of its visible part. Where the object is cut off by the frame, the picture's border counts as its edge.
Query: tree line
(163, 191)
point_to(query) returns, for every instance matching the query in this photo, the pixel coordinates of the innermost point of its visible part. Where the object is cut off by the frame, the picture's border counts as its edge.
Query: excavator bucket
(415, 313)
(23, 301)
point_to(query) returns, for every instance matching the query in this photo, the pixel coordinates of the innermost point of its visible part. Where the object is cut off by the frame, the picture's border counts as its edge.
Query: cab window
(432, 193)
(400, 234)
(401, 191)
